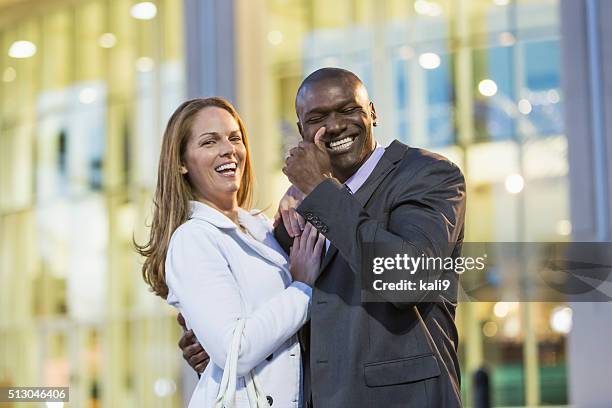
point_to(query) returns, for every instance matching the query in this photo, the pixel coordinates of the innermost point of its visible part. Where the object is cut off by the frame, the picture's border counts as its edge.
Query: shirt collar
(357, 180)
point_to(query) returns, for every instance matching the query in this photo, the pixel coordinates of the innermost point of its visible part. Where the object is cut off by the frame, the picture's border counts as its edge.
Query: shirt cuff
(302, 287)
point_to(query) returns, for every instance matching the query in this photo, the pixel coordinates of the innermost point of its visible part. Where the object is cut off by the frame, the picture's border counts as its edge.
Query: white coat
(217, 274)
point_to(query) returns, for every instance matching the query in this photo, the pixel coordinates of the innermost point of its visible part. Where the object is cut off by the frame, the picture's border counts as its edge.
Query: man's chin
(344, 169)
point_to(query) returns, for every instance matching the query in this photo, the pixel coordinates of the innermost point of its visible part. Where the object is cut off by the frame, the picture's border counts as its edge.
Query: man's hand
(294, 223)
(308, 164)
(193, 352)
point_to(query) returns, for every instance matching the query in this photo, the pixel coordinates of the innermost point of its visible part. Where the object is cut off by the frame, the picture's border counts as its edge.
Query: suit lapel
(387, 162)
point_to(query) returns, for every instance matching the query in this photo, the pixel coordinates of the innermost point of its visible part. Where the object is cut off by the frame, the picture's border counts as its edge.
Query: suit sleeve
(424, 218)
(199, 277)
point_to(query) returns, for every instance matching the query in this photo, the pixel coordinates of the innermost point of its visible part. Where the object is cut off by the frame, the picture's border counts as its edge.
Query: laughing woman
(219, 264)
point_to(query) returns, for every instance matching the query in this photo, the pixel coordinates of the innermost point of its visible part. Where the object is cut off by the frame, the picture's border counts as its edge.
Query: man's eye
(315, 119)
(349, 110)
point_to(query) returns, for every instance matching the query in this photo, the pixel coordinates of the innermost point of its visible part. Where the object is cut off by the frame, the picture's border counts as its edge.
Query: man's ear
(373, 113)
(299, 126)
(183, 169)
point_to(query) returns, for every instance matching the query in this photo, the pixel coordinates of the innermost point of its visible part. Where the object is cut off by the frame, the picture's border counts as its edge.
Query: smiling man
(384, 354)
(354, 191)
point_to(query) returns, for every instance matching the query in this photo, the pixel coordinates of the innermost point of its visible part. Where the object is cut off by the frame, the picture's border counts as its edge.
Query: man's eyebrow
(315, 110)
(335, 107)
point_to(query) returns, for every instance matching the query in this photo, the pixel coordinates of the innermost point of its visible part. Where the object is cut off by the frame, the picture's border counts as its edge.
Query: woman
(220, 265)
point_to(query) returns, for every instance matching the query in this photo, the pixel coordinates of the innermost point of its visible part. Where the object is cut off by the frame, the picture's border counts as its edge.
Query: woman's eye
(236, 139)
(207, 143)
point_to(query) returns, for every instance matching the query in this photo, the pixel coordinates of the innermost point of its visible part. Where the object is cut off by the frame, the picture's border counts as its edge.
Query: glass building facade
(81, 123)
(81, 119)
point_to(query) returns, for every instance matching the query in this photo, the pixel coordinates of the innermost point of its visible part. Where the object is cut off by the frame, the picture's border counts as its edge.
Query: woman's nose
(227, 148)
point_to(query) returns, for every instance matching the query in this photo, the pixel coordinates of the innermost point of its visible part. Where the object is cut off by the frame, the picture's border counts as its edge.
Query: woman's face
(215, 155)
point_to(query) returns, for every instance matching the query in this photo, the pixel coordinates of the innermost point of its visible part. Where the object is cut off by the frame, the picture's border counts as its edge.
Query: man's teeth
(340, 142)
(228, 166)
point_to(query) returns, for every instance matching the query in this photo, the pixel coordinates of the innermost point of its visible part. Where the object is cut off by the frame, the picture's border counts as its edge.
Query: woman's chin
(221, 193)
(229, 188)
(229, 184)
(234, 187)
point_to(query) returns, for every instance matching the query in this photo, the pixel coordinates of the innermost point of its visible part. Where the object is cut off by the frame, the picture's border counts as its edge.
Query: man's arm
(427, 219)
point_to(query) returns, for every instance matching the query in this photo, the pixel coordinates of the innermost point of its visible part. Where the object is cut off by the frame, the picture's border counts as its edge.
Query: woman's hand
(305, 256)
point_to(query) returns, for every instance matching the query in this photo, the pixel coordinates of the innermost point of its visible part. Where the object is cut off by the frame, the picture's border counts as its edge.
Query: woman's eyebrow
(209, 133)
(217, 134)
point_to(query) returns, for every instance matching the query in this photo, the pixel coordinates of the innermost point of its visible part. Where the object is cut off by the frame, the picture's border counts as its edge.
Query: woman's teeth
(228, 169)
(341, 144)
(226, 166)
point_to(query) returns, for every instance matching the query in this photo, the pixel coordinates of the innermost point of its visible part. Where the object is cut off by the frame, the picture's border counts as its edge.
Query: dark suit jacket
(384, 354)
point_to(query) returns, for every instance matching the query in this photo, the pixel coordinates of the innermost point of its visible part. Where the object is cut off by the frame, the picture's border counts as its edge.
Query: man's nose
(334, 125)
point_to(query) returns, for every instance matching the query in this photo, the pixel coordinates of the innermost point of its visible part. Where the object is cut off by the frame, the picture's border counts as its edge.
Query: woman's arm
(199, 276)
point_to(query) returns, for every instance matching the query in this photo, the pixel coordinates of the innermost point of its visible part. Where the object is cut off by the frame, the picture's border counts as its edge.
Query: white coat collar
(257, 227)
(215, 217)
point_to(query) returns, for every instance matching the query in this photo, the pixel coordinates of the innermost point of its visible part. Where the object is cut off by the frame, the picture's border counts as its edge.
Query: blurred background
(517, 92)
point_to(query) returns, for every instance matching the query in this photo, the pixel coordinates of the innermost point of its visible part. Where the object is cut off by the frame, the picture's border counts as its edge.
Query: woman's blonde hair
(173, 191)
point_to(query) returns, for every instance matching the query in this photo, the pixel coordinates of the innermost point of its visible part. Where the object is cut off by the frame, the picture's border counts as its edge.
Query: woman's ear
(183, 169)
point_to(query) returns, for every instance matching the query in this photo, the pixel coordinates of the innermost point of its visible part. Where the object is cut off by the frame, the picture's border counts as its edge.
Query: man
(378, 354)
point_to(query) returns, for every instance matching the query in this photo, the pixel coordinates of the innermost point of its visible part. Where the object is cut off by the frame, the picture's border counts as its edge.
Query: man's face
(343, 107)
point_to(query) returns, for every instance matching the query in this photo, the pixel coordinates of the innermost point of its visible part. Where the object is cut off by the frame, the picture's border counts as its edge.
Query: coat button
(270, 400)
